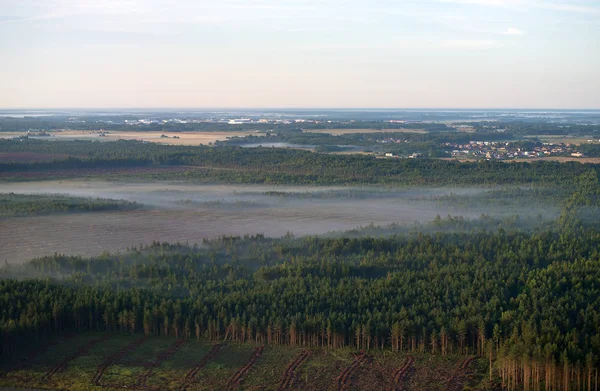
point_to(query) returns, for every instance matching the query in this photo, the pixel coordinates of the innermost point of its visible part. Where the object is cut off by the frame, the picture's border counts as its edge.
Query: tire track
(235, 381)
(456, 381)
(163, 356)
(191, 375)
(290, 372)
(344, 380)
(81, 351)
(402, 373)
(113, 358)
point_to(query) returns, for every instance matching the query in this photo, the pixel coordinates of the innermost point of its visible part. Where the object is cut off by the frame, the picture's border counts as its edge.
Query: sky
(300, 53)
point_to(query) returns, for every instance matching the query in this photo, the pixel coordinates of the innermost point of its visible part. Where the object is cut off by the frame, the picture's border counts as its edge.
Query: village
(510, 150)
(497, 150)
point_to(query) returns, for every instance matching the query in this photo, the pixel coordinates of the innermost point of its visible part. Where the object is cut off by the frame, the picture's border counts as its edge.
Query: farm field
(178, 212)
(550, 138)
(338, 132)
(95, 361)
(184, 138)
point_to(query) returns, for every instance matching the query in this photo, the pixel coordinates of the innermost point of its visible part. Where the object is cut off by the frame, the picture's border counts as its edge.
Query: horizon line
(288, 108)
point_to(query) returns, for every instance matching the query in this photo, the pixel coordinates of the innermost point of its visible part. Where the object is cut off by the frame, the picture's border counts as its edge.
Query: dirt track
(163, 356)
(457, 380)
(81, 351)
(235, 381)
(344, 380)
(115, 357)
(290, 372)
(401, 373)
(191, 375)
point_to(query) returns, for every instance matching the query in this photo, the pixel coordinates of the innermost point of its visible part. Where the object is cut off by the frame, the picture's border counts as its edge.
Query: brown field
(551, 138)
(179, 212)
(185, 138)
(338, 132)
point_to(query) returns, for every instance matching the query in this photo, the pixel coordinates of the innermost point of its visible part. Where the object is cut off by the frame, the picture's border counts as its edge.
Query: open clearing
(320, 371)
(338, 132)
(179, 212)
(184, 138)
(551, 138)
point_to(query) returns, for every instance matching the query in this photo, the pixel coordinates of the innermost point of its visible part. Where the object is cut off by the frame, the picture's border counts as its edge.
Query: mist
(187, 213)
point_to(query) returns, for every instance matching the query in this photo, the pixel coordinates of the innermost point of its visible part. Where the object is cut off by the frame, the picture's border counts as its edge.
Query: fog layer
(179, 212)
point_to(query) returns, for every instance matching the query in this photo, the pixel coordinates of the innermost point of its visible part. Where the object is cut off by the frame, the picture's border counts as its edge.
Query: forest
(275, 165)
(528, 301)
(524, 295)
(50, 123)
(12, 204)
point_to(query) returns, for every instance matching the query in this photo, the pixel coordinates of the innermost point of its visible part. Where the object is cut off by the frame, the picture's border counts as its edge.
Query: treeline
(274, 165)
(430, 144)
(117, 123)
(529, 301)
(537, 127)
(12, 204)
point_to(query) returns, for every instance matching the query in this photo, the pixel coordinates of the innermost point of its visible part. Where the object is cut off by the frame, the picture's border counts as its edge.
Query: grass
(170, 373)
(381, 371)
(318, 372)
(269, 368)
(322, 368)
(126, 371)
(217, 373)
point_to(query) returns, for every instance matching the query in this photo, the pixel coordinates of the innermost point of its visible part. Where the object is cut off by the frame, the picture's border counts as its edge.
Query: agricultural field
(180, 212)
(338, 132)
(167, 138)
(95, 361)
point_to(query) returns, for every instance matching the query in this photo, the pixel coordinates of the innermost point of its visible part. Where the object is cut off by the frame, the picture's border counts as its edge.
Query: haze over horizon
(458, 54)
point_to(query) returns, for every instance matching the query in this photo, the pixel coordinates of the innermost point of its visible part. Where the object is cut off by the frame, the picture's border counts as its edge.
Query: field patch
(168, 138)
(216, 374)
(98, 362)
(289, 375)
(338, 132)
(322, 370)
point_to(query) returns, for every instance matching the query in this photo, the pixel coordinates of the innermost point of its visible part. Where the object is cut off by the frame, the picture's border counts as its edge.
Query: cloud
(513, 31)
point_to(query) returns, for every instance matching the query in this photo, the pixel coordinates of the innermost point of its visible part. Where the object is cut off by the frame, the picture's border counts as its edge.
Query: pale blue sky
(300, 53)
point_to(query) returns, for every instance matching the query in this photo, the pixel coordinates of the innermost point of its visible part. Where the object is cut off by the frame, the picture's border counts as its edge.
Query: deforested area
(483, 294)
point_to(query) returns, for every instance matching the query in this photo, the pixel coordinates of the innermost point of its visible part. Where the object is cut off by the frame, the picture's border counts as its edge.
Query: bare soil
(184, 138)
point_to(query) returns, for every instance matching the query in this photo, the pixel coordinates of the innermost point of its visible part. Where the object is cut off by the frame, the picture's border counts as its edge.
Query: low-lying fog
(188, 213)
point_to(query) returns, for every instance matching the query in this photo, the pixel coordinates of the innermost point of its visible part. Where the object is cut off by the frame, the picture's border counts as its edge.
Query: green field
(322, 369)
